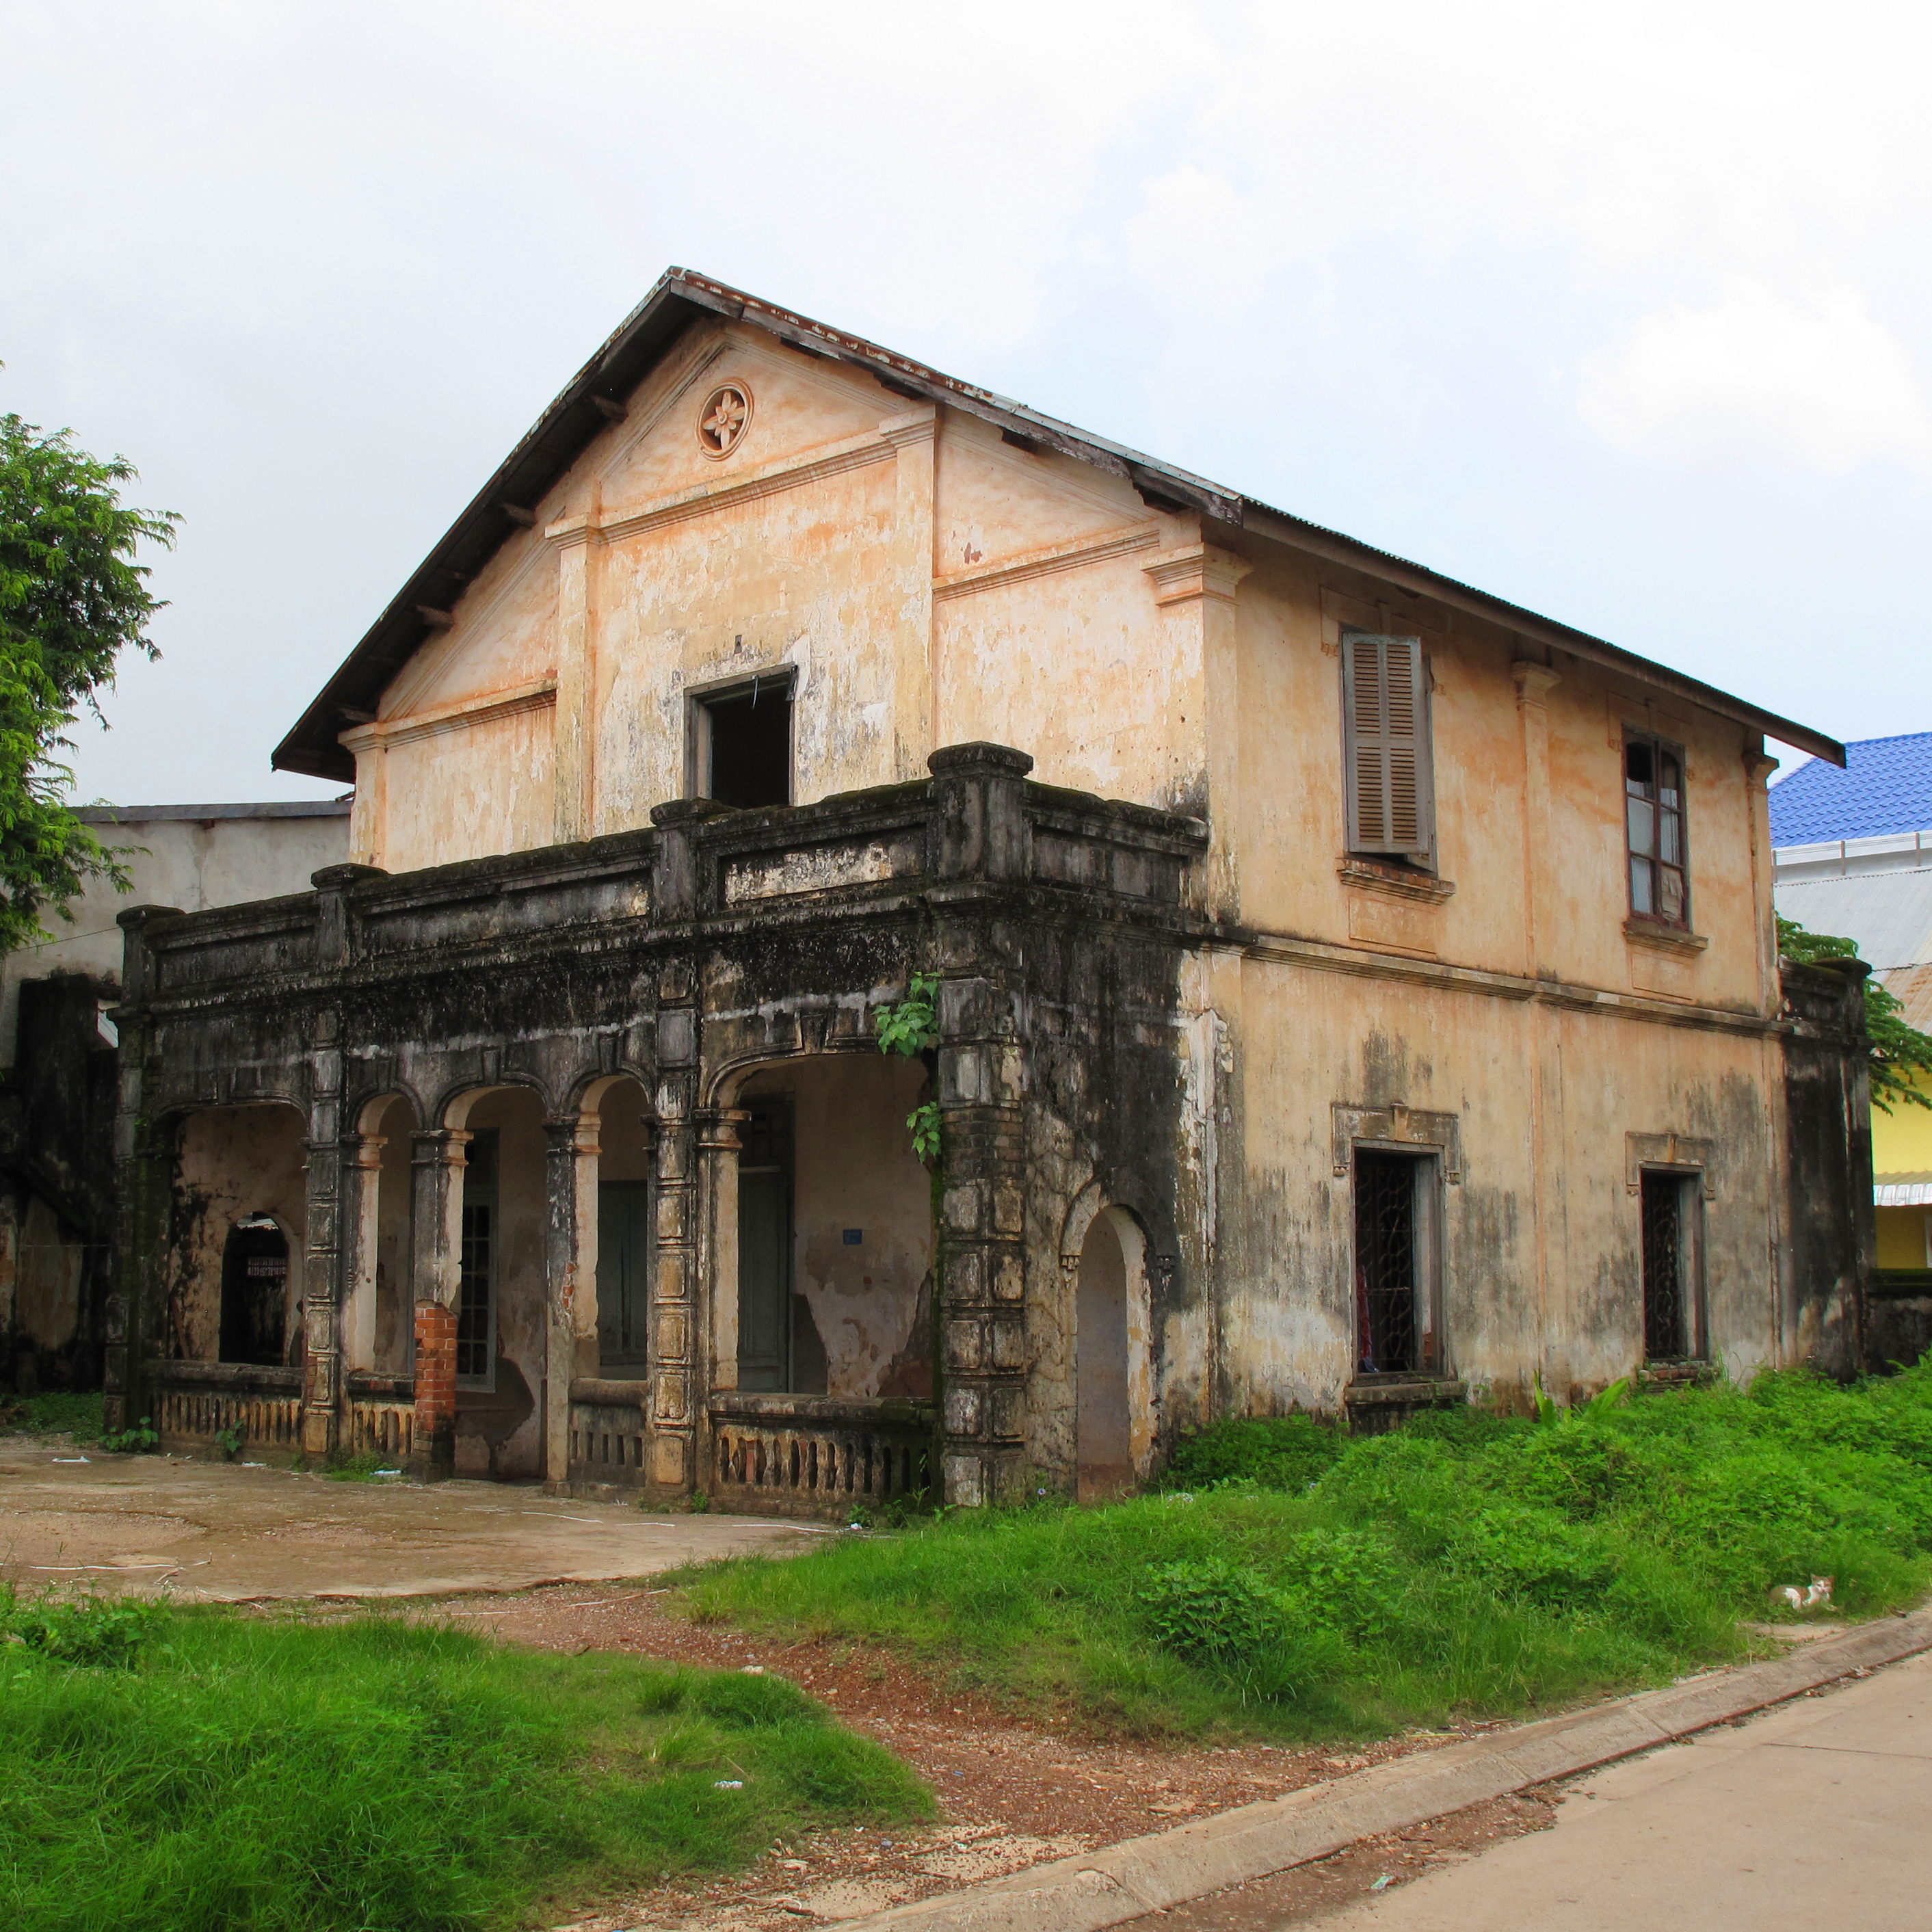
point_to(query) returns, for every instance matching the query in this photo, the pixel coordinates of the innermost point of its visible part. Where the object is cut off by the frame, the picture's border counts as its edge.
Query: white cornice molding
(1071, 555)
(1196, 570)
(539, 694)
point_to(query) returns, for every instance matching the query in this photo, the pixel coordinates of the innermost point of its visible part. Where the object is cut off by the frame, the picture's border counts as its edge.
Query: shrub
(95, 1631)
(1278, 1452)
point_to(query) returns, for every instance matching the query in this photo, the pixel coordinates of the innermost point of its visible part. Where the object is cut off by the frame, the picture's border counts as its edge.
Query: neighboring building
(1854, 857)
(1354, 992)
(57, 1044)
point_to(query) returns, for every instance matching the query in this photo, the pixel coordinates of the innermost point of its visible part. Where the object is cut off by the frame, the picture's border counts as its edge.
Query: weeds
(53, 1412)
(366, 1465)
(269, 1775)
(142, 1439)
(1303, 1583)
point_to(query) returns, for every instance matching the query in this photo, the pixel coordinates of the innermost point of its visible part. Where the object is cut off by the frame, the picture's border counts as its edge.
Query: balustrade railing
(817, 1455)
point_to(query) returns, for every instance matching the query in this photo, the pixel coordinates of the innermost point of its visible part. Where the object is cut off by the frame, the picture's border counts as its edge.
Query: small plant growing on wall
(229, 1441)
(911, 1027)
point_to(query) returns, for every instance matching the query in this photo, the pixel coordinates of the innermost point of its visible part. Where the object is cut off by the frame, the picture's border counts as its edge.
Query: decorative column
(570, 1276)
(979, 840)
(136, 1301)
(436, 1271)
(321, 1264)
(675, 1261)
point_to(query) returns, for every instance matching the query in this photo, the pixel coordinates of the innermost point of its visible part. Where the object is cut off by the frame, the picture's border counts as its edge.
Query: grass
(57, 1412)
(185, 1770)
(1312, 1585)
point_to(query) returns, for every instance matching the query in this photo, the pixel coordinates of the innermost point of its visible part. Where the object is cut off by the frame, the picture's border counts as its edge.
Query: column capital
(1534, 682)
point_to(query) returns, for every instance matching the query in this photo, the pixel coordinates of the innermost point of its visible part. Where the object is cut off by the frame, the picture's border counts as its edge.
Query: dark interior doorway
(255, 1293)
(1668, 1326)
(1394, 1333)
(1103, 1421)
(623, 1259)
(764, 1246)
(745, 745)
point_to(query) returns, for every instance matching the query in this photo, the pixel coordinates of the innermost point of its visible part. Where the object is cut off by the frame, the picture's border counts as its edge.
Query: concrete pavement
(1814, 1816)
(221, 1533)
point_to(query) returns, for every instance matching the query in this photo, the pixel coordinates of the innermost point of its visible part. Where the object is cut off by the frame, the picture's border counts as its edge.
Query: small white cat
(1789, 1593)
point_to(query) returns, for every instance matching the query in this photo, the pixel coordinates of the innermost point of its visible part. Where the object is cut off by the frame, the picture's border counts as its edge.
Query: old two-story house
(1352, 992)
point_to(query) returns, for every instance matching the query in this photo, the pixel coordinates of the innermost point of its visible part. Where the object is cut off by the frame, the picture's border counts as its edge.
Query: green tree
(72, 599)
(1901, 1056)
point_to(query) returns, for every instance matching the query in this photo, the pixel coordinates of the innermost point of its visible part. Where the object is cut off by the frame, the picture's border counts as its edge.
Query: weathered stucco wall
(230, 1163)
(871, 1303)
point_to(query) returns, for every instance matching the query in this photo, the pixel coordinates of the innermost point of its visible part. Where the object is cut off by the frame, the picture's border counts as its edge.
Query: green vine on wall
(911, 1027)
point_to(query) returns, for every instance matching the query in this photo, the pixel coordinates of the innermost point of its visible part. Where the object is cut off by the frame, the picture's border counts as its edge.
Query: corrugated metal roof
(1885, 785)
(1889, 914)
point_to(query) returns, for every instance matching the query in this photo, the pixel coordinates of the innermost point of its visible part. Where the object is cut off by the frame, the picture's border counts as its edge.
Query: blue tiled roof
(1886, 786)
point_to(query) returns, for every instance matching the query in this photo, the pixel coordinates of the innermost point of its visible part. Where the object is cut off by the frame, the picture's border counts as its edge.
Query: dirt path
(1013, 1794)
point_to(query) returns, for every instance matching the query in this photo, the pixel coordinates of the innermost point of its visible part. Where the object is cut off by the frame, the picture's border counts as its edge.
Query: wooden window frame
(1363, 740)
(780, 681)
(1656, 866)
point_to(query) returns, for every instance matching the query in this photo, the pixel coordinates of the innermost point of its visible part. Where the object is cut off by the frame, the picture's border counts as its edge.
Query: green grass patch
(184, 1770)
(57, 1412)
(1310, 1585)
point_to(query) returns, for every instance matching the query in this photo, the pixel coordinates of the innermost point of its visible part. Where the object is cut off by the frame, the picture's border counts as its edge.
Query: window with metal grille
(1386, 748)
(1394, 1329)
(476, 1289)
(1670, 1309)
(1660, 879)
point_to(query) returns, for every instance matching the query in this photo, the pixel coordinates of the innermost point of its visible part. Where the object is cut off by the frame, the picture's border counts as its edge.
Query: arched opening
(1113, 1392)
(255, 1293)
(624, 1231)
(834, 1227)
(502, 1308)
(238, 1222)
(378, 1326)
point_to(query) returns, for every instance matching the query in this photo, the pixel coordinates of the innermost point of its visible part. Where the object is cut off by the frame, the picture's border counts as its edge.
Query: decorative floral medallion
(722, 422)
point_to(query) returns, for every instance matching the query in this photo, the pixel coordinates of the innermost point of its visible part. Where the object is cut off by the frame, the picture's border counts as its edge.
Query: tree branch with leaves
(72, 599)
(1901, 1056)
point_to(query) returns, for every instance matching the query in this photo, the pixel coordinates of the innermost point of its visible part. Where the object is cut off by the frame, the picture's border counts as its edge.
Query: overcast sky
(1622, 312)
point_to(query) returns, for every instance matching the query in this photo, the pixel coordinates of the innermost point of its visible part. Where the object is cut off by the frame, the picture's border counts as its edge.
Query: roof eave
(1265, 520)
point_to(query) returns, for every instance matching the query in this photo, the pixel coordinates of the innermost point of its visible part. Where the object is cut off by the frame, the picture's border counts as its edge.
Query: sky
(1623, 313)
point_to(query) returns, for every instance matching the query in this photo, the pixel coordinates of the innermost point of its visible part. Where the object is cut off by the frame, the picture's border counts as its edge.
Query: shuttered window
(1391, 802)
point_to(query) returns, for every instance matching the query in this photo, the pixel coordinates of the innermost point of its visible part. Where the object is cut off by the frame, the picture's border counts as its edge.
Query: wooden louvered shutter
(1391, 807)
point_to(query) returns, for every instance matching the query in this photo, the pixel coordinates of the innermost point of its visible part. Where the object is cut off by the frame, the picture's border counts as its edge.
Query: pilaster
(1194, 588)
(362, 1205)
(576, 634)
(914, 439)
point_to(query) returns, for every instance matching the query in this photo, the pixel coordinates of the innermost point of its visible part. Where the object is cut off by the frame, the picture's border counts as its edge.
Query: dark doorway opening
(1395, 1331)
(1103, 1393)
(744, 745)
(764, 1247)
(255, 1293)
(623, 1259)
(1669, 1310)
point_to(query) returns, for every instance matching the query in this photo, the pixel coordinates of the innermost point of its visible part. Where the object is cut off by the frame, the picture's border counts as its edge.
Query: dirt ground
(217, 1532)
(1013, 1795)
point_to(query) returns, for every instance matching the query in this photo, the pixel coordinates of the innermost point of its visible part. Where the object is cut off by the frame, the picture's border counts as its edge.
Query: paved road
(1815, 1817)
(208, 1532)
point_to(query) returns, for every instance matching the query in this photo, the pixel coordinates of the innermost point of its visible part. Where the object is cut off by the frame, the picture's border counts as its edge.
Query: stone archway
(1112, 1369)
